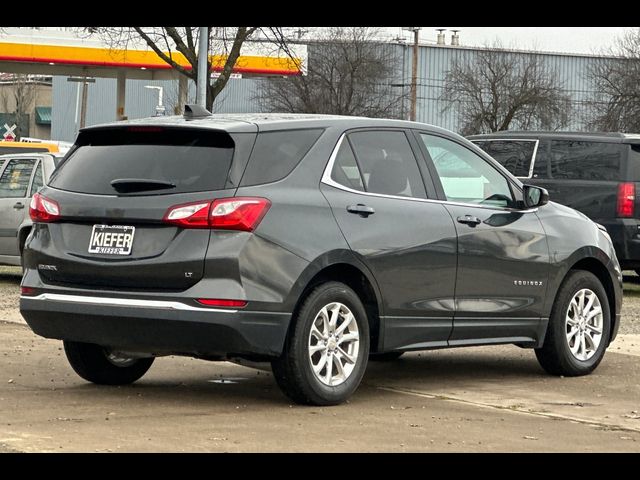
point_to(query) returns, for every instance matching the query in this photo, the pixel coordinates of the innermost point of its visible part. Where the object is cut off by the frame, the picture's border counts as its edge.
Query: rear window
(514, 155)
(276, 154)
(193, 160)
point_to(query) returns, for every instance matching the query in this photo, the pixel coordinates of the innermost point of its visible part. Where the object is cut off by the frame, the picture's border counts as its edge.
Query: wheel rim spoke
(333, 344)
(583, 324)
(346, 356)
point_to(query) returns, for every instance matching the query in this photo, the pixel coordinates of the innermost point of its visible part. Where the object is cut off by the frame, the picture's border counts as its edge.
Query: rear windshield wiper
(128, 185)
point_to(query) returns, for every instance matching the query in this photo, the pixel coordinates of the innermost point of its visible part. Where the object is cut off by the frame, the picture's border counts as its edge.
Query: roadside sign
(9, 136)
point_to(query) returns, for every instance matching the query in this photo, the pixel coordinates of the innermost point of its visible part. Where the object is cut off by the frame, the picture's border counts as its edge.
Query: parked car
(598, 174)
(308, 241)
(21, 175)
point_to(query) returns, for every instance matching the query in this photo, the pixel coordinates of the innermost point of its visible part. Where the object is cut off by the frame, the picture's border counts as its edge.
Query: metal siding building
(241, 95)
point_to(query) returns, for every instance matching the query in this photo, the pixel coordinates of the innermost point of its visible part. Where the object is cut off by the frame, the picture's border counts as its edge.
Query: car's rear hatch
(114, 190)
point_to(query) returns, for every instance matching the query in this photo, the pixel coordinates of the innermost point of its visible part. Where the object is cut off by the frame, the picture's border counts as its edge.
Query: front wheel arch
(597, 268)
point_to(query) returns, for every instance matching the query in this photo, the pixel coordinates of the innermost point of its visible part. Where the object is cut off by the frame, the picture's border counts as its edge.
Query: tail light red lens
(626, 199)
(218, 302)
(27, 291)
(236, 213)
(43, 209)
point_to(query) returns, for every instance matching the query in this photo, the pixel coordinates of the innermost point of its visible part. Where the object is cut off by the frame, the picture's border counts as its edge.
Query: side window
(514, 155)
(15, 178)
(387, 163)
(584, 160)
(38, 179)
(465, 176)
(345, 169)
(276, 154)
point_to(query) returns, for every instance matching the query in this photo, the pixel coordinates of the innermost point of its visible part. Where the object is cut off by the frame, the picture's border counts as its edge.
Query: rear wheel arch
(354, 277)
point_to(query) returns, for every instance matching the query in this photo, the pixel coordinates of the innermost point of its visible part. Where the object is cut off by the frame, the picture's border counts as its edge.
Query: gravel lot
(10, 293)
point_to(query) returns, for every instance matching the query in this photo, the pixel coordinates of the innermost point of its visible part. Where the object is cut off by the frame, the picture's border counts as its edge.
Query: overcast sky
(554, 39)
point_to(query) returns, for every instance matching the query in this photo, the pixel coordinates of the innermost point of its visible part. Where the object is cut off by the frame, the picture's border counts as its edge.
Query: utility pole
(414, 74)
(203, 74)
(414, 71)
(83, 108)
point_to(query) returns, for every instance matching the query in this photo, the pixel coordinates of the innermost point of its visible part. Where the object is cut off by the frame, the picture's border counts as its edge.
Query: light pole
(203, 74)
(160, 110)
(414, 71)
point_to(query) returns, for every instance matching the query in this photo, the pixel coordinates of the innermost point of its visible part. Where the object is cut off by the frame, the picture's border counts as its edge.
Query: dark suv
(598, 174)
(311, 242)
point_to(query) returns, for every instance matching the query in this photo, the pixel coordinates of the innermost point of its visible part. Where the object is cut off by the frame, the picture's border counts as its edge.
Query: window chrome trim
(327, 180)
(123, 302)
(533, 155)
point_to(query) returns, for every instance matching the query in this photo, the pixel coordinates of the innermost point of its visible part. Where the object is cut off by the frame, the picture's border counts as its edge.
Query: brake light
(189, 215)
(626, 199)
(27, 291)
(217, 302)
(43, 209)
(237, 213)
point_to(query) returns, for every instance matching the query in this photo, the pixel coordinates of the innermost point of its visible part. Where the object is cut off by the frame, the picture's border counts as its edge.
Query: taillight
(27, 291)
(218, 302)
(626, 199)
(237, 213)
(43, 209)
(189, 215)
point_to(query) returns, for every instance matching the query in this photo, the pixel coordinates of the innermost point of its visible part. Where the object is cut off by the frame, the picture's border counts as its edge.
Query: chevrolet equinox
(312, 242)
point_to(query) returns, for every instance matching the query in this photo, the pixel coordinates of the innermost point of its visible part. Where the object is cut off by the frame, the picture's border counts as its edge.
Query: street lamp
(414, 71)
(160, 110)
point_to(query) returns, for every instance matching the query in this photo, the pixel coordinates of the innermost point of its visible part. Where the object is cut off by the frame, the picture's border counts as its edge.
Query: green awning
(43, 115)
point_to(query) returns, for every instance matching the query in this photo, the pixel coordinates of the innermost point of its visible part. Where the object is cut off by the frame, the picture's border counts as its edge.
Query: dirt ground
(485, 399)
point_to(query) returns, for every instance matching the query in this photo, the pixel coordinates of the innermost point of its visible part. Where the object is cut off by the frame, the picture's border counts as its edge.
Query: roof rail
(195, 111)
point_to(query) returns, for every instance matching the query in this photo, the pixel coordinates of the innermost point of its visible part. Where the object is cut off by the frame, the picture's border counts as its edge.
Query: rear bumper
(156, 326)
(625, 235)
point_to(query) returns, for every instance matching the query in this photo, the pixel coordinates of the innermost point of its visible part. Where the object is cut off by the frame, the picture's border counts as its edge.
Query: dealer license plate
(111, 239)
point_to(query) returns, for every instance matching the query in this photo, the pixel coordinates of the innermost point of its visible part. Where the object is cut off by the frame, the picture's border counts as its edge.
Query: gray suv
(21, 175)
(312, 242)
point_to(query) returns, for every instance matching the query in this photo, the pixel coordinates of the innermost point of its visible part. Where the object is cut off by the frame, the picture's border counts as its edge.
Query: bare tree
(19, 100)
(617, 82)
(495, 89)
(348, 74)
(167, 41)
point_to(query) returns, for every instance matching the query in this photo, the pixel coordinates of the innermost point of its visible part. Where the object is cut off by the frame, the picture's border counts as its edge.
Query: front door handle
(19, 206)
(469, 220)
(361, 210)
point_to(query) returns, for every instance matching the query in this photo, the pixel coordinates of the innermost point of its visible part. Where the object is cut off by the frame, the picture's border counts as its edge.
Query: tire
(556, 356)
(92, 363)
(293, 370)
(385, 357)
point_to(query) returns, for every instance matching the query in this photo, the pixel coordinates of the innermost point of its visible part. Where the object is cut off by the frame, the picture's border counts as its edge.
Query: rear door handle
(19, 206)
(361, 210)
(469, 220)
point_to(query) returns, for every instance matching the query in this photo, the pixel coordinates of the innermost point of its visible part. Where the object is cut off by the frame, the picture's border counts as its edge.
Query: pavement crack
(511, 408)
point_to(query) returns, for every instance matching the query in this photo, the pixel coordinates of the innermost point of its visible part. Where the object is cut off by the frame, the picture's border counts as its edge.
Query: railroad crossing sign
(9, 136)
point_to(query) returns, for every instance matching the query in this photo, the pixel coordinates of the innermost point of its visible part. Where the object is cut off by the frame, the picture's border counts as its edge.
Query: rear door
(503, 258)
(376, 191)
(114, 191)
(581, 174)
(15, 179)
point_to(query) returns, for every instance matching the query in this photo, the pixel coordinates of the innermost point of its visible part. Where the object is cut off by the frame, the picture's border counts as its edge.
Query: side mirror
(534, 196)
